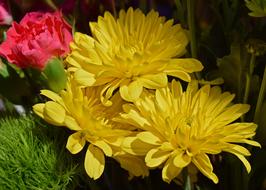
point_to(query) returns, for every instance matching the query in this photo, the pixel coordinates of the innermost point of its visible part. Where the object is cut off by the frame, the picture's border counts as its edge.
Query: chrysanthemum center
(189, 152)
(128, 74)
(189, 120)
(134, 47)
(128, 48)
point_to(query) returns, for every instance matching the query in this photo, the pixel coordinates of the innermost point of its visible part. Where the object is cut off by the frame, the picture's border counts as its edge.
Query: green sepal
(55, 75)
(3, 71)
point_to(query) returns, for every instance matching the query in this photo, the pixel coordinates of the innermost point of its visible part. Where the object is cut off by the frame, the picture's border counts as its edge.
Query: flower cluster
(119, 101)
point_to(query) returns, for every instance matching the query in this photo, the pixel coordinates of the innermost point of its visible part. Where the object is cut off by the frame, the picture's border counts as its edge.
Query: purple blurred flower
(68, 6)
(5, 16)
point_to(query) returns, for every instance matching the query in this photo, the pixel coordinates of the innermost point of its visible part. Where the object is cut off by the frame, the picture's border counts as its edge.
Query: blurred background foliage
(230, 41)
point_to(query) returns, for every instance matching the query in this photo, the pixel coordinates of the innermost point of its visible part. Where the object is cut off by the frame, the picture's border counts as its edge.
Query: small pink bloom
(5, 17)
(37, 38)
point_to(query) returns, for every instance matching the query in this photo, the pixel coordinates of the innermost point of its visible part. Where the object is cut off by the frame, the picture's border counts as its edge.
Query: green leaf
(257, 8)
(230, 68)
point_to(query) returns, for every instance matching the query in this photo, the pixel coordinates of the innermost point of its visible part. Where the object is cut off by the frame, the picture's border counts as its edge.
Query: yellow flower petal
(39, 109)
(84, 78)
(244, 161)
(75, 142)
(134, 118)
(72, 61)
(181, 67)
(252, 143)
(187, 64)
(104, 146)
(94, 162)
(52, 95)
(149, 137)
(71, 123)
(232, 113)
(166, 146)
(133, 164)
(154, 81)
(176, 88)
(202, 162)
(54, 113)
(240, 152)
(181, 160)
(170, 171)
(108, 91)
(131, 92)
(180, 74)
(238, 149)
(135, 146)
(156, 157)
(161, 100)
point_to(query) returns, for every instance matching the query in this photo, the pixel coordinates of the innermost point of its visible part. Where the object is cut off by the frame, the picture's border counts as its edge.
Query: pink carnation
(37, 38)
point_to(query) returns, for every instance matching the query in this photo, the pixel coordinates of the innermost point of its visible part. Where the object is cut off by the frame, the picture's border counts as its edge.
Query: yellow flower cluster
(119, 101)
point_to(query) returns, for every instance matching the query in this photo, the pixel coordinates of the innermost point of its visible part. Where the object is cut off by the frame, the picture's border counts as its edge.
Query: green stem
(243, 60)
(244, 176)
(186, 179)
(260, 98)
(191, 25)
(180, 12)
(248, 77)
(247, 88)
(192, 30)
(248, 81)
(51, 4)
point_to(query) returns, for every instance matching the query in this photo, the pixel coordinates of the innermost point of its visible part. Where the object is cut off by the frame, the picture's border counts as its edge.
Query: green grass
(33, 156)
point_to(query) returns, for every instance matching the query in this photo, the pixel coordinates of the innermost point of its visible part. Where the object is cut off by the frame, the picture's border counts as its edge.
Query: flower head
(81, 110)
(37, 38)
(5, 16)
(131, 52)
(179, 128)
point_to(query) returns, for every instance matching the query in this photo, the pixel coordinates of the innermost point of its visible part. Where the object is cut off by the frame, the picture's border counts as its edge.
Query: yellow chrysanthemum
(130, 53)
(179, 128)
(81, 110)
